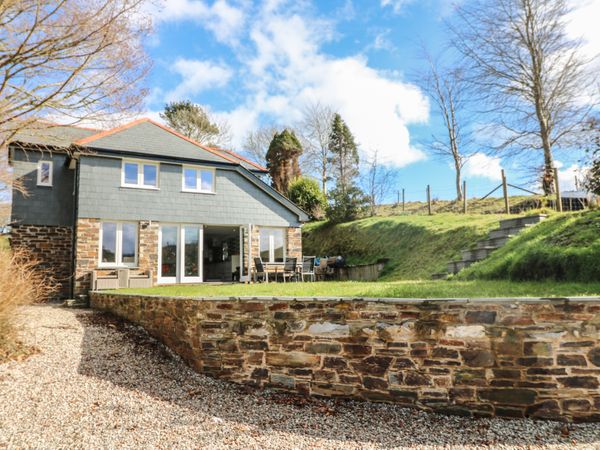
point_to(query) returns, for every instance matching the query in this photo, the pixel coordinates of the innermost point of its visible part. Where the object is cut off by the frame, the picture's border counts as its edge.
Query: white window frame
(50, 173)
(140, 174)
(199, 170)
(179, 277)
(272, 243)
(119, 245)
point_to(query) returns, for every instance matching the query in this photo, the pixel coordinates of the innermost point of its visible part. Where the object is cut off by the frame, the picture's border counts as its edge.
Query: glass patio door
(191, 237)
(180, 254)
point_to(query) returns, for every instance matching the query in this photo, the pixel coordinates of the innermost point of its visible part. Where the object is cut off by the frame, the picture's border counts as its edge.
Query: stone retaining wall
(517, 358)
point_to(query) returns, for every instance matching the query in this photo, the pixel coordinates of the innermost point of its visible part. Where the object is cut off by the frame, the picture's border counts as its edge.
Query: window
(198, 179)
(118, 244)
(44, 173)
(140, 174)
(272, 244)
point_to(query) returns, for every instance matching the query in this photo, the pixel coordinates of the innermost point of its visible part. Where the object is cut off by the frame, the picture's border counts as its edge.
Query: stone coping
(496, 300)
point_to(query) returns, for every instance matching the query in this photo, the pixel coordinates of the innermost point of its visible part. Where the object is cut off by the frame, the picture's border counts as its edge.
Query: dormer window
(139, 174)
(44, 173)
(198, 179)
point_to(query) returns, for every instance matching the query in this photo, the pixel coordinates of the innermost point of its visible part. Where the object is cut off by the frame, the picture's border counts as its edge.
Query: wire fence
(509, 198)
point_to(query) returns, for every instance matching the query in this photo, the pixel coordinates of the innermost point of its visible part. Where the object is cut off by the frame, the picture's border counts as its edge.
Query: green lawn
(416, 246)
(565, 247)
(398, 289)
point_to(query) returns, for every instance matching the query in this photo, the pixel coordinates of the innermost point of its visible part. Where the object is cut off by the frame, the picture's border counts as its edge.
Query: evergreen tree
(282, 160)
(345, 154)
(347, 201)
(192, 121)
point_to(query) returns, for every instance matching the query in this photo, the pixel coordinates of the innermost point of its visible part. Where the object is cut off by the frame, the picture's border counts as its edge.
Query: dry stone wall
(535, 358)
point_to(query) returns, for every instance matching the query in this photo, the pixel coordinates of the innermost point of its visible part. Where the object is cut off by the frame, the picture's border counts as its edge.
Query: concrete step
(80, 302)
(521, 221)
(457, 266)
(507, 232)
(440, 276)
(496, 242)
(477, 254)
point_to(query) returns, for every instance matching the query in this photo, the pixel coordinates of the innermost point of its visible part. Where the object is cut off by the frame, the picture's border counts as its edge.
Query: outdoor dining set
(310, 268)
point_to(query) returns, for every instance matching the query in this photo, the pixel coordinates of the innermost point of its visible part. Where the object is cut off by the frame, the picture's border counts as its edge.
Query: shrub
(346, 204)
(306, 193)
(21, 283)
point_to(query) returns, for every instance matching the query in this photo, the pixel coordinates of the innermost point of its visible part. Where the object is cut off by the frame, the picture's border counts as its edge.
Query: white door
(180, 254)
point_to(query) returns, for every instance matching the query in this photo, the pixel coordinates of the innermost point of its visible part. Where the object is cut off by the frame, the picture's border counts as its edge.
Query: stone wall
(535, 358)
(51, 246)
(87, 250)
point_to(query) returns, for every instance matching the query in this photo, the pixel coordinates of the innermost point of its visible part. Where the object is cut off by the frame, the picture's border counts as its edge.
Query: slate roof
(148, 138)
(244, 162)
(54, 135)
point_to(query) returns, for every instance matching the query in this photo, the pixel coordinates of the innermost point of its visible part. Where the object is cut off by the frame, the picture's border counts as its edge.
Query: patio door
(180, 254)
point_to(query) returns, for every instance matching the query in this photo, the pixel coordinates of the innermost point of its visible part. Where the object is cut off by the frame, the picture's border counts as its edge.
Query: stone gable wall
(535, 358)
(51, 246)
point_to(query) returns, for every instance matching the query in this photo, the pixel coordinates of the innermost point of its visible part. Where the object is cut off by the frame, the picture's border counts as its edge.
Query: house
(144, 197)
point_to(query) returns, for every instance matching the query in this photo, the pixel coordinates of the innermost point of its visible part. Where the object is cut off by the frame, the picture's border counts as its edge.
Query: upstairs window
(118, 244)
(196, 179)
(139, 174)
(44, 173)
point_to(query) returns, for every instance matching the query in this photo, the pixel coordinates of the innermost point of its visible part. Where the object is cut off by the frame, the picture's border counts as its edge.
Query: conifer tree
(282, 160)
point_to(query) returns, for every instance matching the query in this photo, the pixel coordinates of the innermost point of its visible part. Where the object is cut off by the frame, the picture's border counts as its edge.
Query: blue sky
(260, 62)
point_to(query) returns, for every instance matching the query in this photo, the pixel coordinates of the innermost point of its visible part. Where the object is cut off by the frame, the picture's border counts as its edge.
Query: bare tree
(73, 60)
(529, 72)
(315, 129)
(378, 181)
(448, 88)
(257, 142)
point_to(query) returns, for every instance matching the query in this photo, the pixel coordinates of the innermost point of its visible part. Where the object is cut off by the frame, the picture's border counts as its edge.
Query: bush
(306, 193)
(21, 283)
(346, 205)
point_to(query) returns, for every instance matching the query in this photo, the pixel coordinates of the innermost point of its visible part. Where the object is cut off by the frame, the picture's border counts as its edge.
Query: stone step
(457, 266)
(518, 222)
(477, 254)
(440, 276)
(496, 242)
(507, 232)
(81, 302)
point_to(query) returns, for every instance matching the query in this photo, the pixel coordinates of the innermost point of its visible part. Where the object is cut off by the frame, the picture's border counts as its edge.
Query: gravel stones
(100, 383)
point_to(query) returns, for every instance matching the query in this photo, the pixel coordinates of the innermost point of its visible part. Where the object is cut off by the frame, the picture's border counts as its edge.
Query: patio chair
(308, 268)
(289, 269)
(260, 271)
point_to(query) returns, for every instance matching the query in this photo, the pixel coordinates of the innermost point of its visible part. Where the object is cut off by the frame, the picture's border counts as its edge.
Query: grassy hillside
(564, 247)
(417, 246)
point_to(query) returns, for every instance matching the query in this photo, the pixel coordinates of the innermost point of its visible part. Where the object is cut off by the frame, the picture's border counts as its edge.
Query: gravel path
(98, 383)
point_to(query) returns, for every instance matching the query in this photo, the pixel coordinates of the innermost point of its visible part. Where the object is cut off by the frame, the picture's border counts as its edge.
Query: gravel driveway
(99, 383)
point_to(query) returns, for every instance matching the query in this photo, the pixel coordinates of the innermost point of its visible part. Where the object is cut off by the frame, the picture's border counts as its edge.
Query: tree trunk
(458, 180)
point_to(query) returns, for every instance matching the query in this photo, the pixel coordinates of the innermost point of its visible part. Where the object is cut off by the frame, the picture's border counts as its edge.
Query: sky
(255, 63)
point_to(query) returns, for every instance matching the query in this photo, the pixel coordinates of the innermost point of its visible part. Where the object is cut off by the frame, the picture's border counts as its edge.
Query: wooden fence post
(559, 207)
(429, 199)
(403, 200)
(505, 191)
(464, 196)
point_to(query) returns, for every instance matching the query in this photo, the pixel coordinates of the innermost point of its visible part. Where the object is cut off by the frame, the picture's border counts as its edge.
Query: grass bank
(565, 247)
(398, 289)
(416, 246)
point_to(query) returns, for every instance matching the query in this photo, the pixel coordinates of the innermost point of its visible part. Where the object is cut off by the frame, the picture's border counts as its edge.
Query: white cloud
(396, 5)
(197, 76)
(567, 176)
(287, 70)
(583, 23)
(224, 19)
(483, 166)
